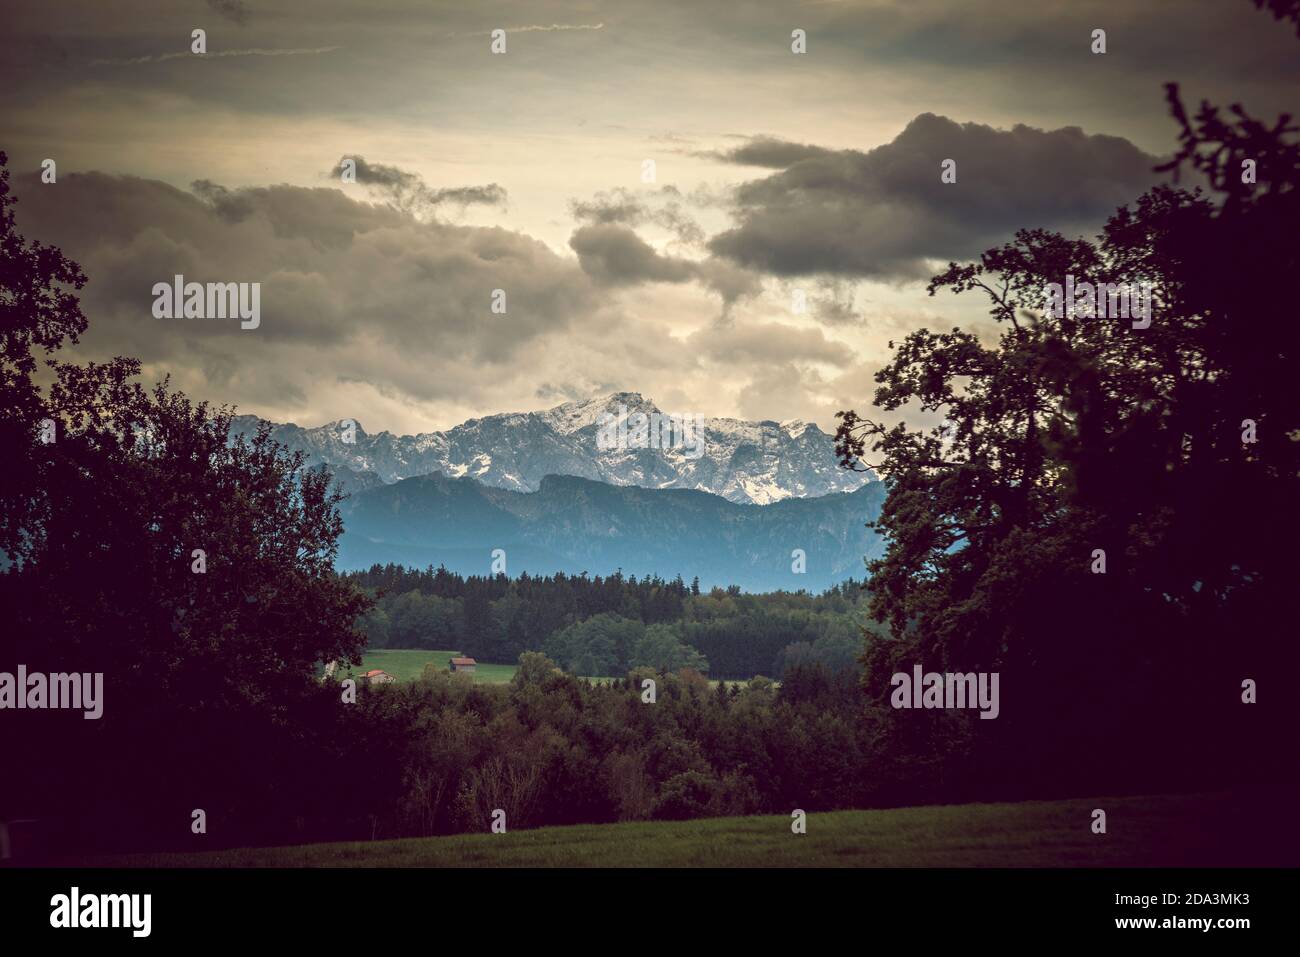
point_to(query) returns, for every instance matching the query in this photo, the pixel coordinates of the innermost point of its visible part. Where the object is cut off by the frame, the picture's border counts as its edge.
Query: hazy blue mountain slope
(573, 524)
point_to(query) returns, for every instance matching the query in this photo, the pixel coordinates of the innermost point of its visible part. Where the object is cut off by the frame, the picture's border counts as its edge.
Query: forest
(608, 625)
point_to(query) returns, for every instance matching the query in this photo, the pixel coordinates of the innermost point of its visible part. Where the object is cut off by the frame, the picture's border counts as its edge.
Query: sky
(653, 185)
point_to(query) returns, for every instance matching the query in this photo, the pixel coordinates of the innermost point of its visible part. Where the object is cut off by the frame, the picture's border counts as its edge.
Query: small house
(377, 676)
(467, 665)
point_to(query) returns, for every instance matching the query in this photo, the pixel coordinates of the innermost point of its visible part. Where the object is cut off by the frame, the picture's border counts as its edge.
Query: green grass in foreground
(1186, 830)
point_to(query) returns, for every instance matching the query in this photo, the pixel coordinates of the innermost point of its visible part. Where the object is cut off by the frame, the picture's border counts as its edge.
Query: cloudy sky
(773, 173)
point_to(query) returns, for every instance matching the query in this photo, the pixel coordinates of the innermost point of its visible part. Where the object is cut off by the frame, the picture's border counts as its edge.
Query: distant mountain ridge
(745, 462)
(571, 524)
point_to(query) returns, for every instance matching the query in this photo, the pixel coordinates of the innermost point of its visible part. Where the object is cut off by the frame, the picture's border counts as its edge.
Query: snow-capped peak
(748, 462)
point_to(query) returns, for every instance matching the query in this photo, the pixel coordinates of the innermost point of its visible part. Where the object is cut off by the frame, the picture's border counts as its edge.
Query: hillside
(573, 524)
(1164, 830)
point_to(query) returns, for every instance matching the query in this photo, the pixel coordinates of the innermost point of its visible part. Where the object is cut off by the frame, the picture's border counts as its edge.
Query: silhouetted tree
(192, 569)
(1172, 449)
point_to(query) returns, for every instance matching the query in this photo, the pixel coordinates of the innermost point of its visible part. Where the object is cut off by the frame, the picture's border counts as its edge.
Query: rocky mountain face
(573, 524)
(621, 439)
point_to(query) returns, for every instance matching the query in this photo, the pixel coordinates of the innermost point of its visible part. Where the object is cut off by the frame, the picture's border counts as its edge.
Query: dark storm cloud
(1032, 59)
(616, 206)
(614, 255)
(836, 312)
(884, 212)
(325, 218)
(351, 291)
(1155, 40)
(770, 152)
(834, 303)
(230, 205)
(408, 191)
(489, 195)
(729, 281)
(621, 205)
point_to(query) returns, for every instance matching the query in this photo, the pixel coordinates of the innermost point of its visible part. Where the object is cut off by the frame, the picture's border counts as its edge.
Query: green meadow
(1166, 830)
(407, 664)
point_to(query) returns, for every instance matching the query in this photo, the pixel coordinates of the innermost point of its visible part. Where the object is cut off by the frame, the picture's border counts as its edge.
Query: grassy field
(1182, 830)
(406, 664)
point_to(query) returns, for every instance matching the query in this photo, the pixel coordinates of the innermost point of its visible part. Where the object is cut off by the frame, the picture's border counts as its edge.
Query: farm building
(466, 665)
(378, 676)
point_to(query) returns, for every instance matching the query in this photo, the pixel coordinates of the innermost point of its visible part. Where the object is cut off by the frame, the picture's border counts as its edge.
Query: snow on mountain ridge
(746, 462)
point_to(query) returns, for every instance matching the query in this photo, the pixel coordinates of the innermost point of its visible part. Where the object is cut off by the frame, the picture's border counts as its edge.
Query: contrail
(536, 29)
(255, 51)
(556, 26)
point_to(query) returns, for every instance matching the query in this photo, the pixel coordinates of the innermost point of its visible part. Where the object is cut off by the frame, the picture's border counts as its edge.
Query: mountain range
(747, 462)
(584, 487)
(572, 524)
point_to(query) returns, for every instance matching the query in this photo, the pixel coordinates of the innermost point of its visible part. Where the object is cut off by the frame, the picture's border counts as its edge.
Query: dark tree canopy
(110, 493)
(1174, 448)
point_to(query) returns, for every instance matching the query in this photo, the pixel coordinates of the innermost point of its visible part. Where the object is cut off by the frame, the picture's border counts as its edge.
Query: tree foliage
(191, 568)
(1174, 449)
